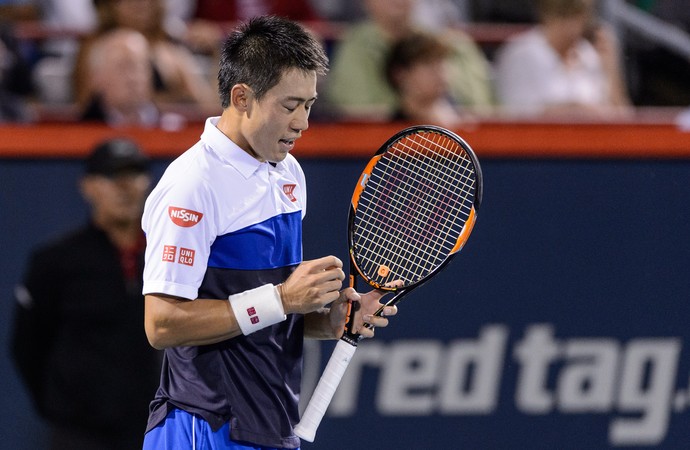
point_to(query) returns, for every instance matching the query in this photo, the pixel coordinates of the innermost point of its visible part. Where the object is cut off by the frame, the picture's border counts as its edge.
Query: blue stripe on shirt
(275, 242)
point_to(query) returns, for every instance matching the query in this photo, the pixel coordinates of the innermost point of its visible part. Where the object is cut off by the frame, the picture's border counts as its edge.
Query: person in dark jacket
(78, 340)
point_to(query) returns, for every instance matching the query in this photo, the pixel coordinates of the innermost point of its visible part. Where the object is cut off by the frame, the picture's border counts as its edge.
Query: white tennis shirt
(212, 190)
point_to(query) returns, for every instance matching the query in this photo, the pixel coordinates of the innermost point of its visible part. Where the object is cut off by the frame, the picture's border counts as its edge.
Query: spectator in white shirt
(568, 63)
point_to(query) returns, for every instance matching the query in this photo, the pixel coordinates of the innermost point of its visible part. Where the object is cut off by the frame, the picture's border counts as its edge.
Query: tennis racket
(413, 208)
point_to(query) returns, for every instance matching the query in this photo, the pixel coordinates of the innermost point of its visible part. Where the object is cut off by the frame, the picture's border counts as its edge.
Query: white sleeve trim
(167, 288)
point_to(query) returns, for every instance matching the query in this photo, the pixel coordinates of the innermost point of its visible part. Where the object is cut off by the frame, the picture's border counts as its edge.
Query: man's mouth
(288, 143)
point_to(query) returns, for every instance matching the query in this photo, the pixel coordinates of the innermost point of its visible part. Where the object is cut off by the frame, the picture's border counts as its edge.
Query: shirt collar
(230, 152)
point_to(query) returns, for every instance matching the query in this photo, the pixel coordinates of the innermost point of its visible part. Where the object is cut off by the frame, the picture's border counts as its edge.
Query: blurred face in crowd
(121, 70)
(425, 80)
(117, 199)
(568, 20)
(416, 67)
(394, 13)
(571, 28)
(142, 15)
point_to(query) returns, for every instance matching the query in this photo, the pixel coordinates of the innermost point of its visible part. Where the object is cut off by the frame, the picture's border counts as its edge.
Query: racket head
(413, 208)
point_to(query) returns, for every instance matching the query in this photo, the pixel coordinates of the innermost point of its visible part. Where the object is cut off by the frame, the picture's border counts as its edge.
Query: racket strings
(461, 172)
(439, 169)
(420, 223)
(410, 259)
(413, 208)
(447, 177)
(449, 149)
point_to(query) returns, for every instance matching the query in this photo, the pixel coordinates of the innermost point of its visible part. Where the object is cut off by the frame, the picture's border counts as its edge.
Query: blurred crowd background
(151, 63)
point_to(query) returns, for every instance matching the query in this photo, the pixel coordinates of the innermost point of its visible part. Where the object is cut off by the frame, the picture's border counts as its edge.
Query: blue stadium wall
(563, 323)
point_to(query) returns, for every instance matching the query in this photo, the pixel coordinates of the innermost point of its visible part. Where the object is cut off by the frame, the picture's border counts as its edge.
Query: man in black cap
(78, 339)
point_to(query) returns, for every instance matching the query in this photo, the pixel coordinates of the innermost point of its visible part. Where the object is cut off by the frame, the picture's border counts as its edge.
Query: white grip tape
(318, 404)
(257, 308)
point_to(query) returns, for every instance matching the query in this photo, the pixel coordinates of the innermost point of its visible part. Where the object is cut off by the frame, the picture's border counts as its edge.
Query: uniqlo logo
(252, 315)
(169, 252)
(289, 190)
(186, 256)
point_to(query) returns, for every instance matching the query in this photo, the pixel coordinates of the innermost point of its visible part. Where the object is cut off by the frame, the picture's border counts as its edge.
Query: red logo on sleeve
(169, 252)
(252, 315)
(289, 190)
(186, 256)
(184, 217)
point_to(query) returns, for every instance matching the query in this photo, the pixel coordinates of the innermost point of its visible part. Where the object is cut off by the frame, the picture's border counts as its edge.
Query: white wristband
(257, 308)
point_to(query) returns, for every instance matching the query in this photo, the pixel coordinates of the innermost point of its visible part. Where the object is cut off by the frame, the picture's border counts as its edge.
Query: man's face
(117, 199)
(272, 124)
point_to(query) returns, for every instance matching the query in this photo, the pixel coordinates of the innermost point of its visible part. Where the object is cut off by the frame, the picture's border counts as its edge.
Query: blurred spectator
(178, 77)
(416, 68)
(357, 86)
(15, 80)
(53, 71)
(78, 338)
(426, 13)
(119, 77)
(568, 63)
(52, 59)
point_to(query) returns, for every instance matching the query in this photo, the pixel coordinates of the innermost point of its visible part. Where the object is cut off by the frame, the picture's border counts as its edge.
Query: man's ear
(241, 96)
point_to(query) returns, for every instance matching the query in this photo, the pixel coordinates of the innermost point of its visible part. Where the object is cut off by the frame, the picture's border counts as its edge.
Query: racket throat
(349, 334)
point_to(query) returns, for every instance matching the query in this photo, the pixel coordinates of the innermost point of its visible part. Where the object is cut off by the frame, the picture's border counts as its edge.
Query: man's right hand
(312, 285)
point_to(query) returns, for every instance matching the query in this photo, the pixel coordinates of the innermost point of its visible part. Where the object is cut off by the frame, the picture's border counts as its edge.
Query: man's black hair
(262, 50)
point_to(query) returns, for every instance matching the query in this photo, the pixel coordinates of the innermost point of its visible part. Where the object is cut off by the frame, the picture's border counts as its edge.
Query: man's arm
(171, 321)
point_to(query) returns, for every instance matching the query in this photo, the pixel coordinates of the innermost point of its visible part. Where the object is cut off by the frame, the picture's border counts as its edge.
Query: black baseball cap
(115, 156)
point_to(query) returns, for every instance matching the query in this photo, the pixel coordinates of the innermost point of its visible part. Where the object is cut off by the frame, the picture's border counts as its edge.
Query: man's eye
(289, 108)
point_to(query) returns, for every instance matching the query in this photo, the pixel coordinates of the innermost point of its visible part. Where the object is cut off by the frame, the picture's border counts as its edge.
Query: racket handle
(318, 404)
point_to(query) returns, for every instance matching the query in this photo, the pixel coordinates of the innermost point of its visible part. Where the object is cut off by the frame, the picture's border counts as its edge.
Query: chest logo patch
(289, 190)
(184, 217)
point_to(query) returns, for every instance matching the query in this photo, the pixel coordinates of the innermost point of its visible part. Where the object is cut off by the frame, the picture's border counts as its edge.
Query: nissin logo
(184, 217)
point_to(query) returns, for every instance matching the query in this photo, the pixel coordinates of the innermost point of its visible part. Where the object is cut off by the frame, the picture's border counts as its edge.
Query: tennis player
(227, 294)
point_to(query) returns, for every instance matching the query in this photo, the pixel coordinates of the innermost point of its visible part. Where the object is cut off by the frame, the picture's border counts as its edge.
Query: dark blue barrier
(562, 323)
